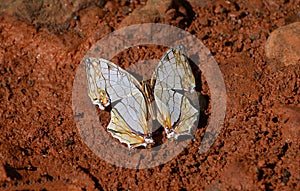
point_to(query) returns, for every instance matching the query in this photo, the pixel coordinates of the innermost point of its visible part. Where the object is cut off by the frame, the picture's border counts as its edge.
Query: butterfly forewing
(174, 70)
(106, 78)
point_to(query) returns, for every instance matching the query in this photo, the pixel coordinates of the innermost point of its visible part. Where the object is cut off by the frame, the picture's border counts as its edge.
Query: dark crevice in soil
(95, 179)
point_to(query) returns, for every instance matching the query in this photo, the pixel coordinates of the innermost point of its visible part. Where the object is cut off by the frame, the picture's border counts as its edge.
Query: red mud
(42, 44)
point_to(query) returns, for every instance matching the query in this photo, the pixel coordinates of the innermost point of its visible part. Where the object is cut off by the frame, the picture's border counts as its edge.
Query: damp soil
(41, 47)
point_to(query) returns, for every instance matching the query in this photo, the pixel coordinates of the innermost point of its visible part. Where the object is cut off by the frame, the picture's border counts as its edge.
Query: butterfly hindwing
(188, 116)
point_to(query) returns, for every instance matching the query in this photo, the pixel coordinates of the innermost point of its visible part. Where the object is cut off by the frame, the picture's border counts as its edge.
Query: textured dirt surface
(42, 44)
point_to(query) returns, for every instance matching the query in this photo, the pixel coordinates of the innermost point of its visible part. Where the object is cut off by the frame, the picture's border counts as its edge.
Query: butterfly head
(149, 140)
(169, 129)
(171, 134)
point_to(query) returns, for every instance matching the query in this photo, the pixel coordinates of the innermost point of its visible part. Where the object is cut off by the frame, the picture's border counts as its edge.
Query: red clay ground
(43, 42)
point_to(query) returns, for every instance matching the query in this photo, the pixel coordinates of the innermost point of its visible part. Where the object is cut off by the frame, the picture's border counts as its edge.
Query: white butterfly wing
(189, 115)
(174, 78)
(107, 82)
(111, 85)
(168, 104)
(129, 123)
(174, 71)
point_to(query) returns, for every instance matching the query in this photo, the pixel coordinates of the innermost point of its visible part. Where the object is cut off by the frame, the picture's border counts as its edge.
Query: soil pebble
(283, 44)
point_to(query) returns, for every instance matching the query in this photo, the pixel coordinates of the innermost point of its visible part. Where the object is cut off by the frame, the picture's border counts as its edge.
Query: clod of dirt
(290, 116)
(283, 44)
(178, 13)
(52, 14)
(238, 176)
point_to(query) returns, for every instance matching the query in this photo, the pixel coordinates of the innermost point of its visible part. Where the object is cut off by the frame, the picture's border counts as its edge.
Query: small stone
(218, 9)
(110, 6)
(283, 44)
(171, 14)
(203, 21)
(290, 116)
(233, 14)
(261, 163)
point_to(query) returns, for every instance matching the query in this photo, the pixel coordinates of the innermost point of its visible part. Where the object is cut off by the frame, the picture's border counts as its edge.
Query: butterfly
(135, 105)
